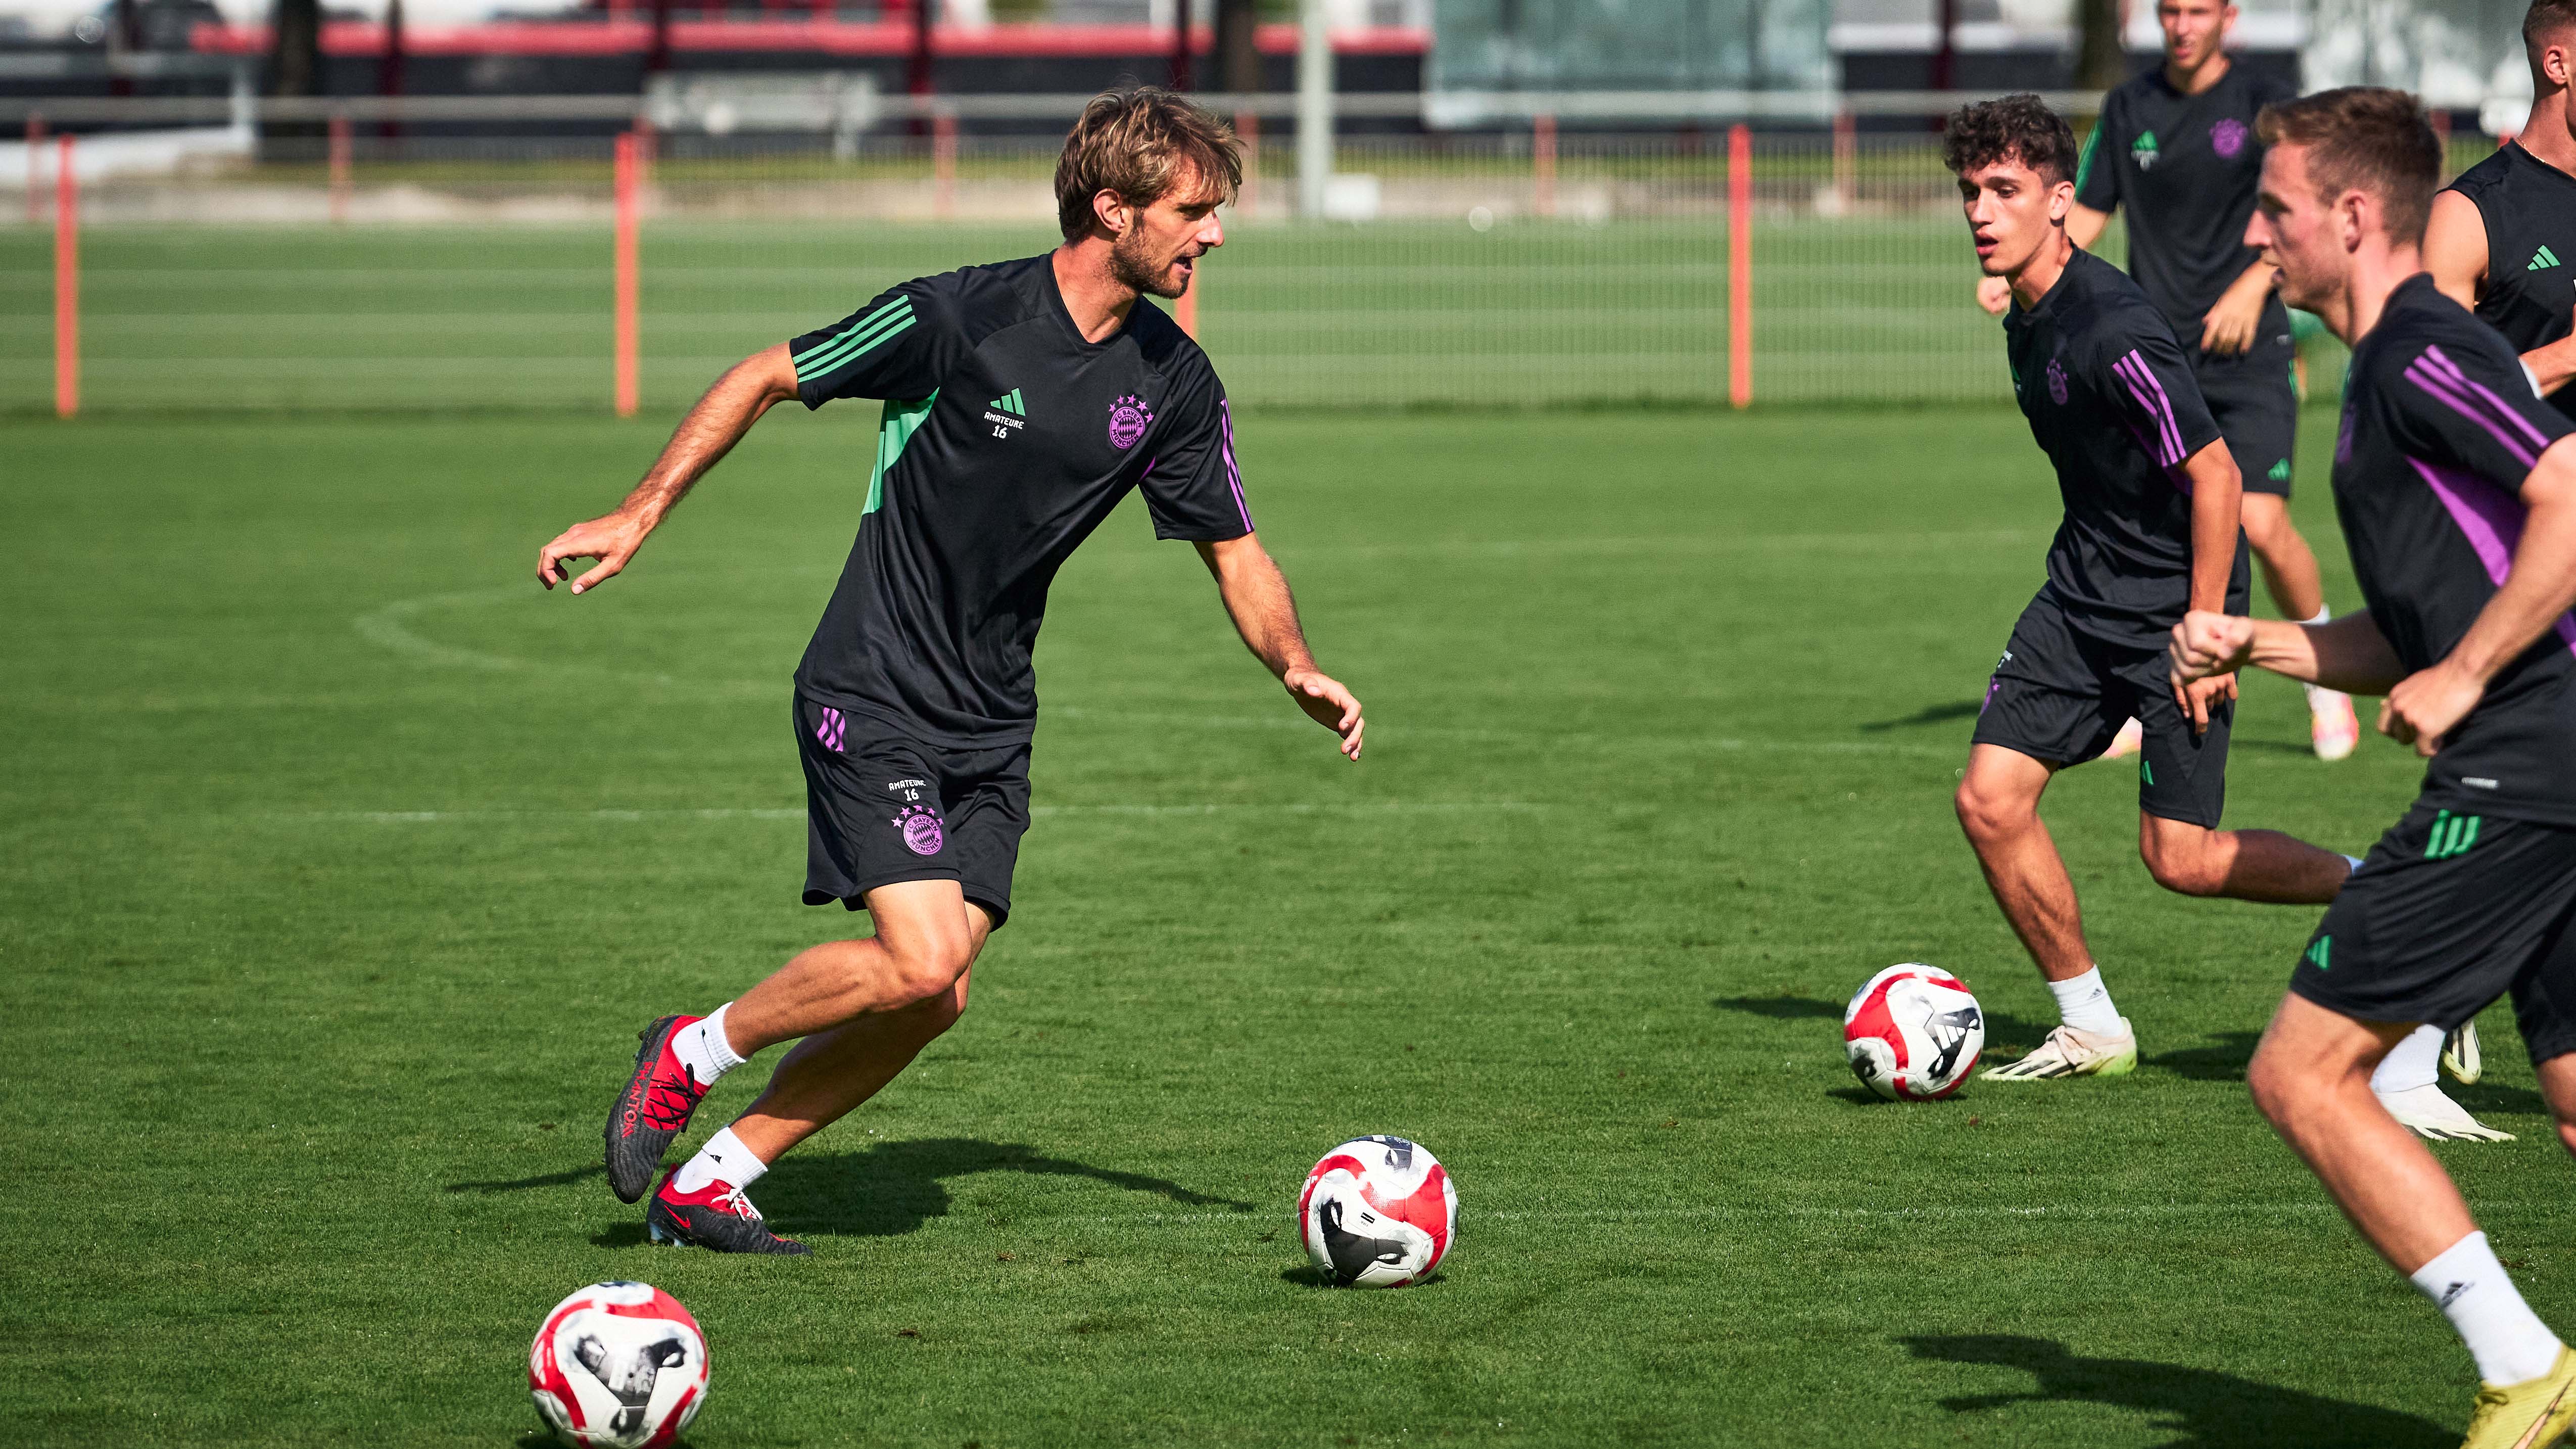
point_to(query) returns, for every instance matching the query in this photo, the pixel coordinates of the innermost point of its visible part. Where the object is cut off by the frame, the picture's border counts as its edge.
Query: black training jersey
(2111, 400)
(2439, 432)
(2187, 168)
(2530, 210)
(1006, 439)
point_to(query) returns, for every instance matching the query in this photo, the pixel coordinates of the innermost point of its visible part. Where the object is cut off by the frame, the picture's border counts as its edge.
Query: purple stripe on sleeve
(2458, 401)
(2490, 518)
(1233, 474)
(2133, 369)
(2441, 361)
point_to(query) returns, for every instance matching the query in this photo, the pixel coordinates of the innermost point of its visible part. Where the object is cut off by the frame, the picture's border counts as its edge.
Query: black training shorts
(882, 806)
(2255, 400)
(2449, 912)
(2059, 696)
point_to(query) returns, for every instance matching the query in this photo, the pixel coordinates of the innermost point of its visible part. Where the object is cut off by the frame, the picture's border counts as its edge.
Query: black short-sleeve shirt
(2440, 431)
(2187, 168)
(1006, 438)
(2111, 399)
(2529, 208)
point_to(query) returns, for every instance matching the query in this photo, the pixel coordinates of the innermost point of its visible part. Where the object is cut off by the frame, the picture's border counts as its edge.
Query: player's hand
(2205, 643)
(1994, 294)
(1327, 703)
(2201, 696)
(2427, 705)
(2231, 324)
(611, 539)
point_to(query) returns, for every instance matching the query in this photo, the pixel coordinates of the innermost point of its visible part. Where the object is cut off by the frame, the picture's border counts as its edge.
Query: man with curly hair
(2150, 529)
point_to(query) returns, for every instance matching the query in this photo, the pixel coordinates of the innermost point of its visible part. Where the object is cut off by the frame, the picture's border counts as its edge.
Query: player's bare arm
(1265, 613)
(718, 421)
(2217, 498)
(2349, 654)
(2455, 248)
(2424, 707)
(2238, 314)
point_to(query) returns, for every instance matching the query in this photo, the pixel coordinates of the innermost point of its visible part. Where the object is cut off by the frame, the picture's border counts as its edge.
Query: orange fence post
(66, 283)
(1845, 146)
(1247, 129)
(35, 170)
(626, 279)
(1543, 164)
(339, 168)
(1185, 310)
(1739, 265)
(943, 166)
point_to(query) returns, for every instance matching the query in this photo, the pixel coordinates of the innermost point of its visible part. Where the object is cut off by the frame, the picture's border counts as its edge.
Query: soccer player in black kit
(2150, 492)
(2175, 146)
(2457, 490)
(1022, 401)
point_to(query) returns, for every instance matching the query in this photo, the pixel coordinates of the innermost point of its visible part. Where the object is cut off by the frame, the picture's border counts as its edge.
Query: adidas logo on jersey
(1007, 413)
(2542, 260)
(2144, 150)
(1009, 402)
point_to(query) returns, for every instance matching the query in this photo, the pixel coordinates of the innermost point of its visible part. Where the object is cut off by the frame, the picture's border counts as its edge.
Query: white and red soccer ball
(1913, 1033)
(1377, 1212)
(619, 1364)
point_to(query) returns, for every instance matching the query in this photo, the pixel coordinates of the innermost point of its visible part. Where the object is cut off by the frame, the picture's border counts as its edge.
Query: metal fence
(1512, 268)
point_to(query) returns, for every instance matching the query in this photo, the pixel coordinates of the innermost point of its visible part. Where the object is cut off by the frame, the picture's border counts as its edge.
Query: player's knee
(1987, 814)
(2278, 1089)
(2189, 865)
(927, 968)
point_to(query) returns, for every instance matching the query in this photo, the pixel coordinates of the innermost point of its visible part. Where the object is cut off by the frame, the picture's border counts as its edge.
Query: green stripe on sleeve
(874, 328)
(2084, 165)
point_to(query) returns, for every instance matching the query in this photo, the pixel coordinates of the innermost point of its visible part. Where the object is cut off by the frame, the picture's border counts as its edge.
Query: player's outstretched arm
(1265, 614)
(2349, 653)
(2424, 707)
(2217, 502)
(719, 420)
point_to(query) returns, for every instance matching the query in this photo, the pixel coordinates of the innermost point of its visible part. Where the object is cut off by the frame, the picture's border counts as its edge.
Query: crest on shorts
(2227, 137)
(2056, 382)
(1129, 417)
(922, 832)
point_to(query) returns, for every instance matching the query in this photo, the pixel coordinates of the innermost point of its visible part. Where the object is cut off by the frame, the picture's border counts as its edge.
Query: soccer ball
(1377, 1212)
(618, 1364)
(1913, 1033)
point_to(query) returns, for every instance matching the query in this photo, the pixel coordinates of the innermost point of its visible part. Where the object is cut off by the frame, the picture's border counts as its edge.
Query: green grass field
(343, 864)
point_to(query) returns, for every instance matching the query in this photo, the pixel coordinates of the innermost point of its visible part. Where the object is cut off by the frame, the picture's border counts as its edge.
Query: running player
(1023, 400)
(2457, 490)
(2176, 146)
(2150, 529)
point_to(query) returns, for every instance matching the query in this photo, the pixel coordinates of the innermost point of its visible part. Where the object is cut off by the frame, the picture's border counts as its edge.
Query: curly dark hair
(2016, 127)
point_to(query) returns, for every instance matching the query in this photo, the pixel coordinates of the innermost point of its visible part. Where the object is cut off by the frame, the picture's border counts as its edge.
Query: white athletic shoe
(2426, 1112)
(2126, 742)
(2333, 729)
(2460, 1056)
(2068, 1052)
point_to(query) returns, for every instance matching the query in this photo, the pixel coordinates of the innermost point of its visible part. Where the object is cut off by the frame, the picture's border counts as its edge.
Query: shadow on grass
(2204, 1408)
(1779, 1008)
(1307, 1275)
(1928, 714)
(523, 1184)
(895, 1187)
(2223, 1059)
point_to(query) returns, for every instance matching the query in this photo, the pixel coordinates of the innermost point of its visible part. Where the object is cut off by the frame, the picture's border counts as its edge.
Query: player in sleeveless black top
(2456, 486)
(2503, 236)
(2175, 150)
(1022, 402)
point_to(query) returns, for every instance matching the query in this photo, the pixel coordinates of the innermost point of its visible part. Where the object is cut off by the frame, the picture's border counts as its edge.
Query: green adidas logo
(2319, 951)
(2452, 835)
(2146, 772)
(1009, 402)
(2280, 472)
(2143, 150)
(2542, 260)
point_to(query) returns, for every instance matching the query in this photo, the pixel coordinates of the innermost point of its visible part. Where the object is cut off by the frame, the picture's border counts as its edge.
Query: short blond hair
(1139, 143)
(2364, 138)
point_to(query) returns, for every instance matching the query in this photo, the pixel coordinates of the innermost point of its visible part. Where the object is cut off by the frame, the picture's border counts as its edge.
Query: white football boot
(2460, 1055)
(2068, 1052)
(2127, 741)
(2426, 1112)
(2333, 729)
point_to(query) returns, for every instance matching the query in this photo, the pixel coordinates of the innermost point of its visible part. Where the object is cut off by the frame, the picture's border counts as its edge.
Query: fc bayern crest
(2056, 383)
(1129, 417)
(2227, 138)
(922, 833)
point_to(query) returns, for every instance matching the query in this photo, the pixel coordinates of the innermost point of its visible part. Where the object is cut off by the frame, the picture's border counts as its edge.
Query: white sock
(2507, 1339)
(2325, 615)
(2413, 1062)
(724, 1159)
(2084, 1003)
(2356, 861)
(702, 1047)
